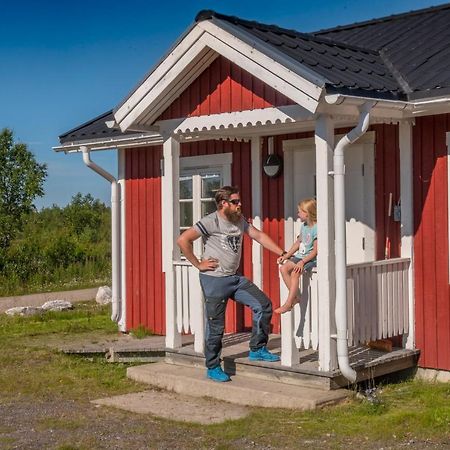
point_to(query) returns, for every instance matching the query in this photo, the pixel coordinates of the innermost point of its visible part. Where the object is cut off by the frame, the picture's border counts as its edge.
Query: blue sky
(63, 63)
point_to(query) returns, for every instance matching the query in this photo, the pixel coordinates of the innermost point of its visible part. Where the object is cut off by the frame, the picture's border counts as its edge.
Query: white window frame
(197, 166)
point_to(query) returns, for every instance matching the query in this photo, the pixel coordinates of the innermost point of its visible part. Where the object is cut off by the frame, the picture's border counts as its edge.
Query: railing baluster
(179, 300)
(186, 299)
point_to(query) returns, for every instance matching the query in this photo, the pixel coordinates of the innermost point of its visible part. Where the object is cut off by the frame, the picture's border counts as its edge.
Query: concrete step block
(241, 390)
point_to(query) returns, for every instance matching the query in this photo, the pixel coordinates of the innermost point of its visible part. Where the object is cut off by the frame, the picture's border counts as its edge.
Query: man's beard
(233, 216)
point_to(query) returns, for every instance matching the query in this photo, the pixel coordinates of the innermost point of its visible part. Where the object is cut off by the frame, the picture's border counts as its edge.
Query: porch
(378, 307)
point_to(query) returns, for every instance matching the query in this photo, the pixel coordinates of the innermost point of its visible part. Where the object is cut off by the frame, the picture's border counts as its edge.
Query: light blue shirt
(307, 237)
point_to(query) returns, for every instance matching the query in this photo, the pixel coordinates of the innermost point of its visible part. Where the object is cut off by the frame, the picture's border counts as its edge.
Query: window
(200, 177)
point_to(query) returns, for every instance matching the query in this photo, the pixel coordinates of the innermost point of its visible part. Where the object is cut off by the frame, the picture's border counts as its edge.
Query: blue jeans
(217, 291)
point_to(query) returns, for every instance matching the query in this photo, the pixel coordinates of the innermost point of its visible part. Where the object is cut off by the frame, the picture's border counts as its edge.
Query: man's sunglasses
(235, 201)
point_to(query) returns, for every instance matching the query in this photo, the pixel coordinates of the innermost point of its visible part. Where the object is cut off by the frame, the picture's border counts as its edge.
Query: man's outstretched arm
(264, 240)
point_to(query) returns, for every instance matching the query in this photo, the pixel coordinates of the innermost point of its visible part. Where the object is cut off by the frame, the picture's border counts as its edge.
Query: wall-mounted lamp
(273, 164)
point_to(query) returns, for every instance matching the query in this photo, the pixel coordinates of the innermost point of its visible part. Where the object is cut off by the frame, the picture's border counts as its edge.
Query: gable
(196, 51)
(224, 87)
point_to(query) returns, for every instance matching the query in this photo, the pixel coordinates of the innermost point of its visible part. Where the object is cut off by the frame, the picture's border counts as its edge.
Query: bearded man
(222, 234)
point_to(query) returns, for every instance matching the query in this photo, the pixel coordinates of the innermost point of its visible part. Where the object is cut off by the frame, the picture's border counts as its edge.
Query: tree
(21, 181)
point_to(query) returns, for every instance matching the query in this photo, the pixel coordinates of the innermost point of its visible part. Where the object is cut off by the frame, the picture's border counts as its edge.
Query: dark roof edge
(429, 94)
(383, 19)
(376, 95)
(211, 15)
(85, 124)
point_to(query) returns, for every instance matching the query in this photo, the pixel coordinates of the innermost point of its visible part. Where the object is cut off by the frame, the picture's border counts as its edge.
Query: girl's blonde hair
(310, 206)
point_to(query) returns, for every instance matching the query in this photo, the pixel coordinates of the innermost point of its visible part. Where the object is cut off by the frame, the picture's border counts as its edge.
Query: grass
(409, 411)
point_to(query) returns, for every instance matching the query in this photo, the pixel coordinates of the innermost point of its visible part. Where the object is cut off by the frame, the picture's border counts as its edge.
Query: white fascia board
(160, 71)
(110, 144)
(186, 62)
(174, 91)
(239, 119)
(267, 56)
(273, 74)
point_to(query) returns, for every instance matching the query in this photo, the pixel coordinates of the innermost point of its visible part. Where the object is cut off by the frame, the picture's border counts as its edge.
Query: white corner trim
(240, 119)
(123, 262)
(448, 196)
(256, 165)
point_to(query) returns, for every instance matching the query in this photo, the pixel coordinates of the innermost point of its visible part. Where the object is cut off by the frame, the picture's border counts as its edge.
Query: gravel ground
(69, 425)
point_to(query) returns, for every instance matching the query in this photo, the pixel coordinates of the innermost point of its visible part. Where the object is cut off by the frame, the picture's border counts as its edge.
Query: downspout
(340, 239)
(115, 231)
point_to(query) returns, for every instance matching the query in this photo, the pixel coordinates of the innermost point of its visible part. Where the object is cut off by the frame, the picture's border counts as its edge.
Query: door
(300, 178)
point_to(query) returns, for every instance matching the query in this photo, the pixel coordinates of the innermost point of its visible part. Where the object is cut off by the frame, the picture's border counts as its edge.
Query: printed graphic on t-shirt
(308, 239)
(234, 243)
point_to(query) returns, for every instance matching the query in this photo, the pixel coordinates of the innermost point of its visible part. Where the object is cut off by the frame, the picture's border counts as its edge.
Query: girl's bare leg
(286, 270)
(293, 294)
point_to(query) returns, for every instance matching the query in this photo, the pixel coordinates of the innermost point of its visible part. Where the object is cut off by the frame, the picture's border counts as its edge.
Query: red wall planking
(144, 276)
(223, 87)
(387, 181)
(431, 241)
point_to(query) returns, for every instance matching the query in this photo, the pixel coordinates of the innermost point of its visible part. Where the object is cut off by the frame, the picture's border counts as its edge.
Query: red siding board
(387, 181)
(144, 278)
(223, 87)
(431, 243)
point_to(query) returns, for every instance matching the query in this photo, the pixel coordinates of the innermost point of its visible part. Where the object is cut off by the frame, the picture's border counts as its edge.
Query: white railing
(189, 303)
(377, 305)
(377, 300)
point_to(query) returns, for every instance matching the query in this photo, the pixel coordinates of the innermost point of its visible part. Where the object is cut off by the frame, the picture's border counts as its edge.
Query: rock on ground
(104, 295)
(57, 305)
(24, 311)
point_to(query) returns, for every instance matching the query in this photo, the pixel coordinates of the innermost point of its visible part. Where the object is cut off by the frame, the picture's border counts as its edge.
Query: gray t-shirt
(222, 240)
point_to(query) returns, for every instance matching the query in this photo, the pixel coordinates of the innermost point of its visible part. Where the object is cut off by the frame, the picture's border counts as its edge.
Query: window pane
(208, 207)
(186, 187)
(186, 219)
(210, 183)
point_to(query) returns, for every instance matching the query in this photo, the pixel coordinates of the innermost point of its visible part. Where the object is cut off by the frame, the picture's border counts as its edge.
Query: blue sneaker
(262, 354)
(217, 374)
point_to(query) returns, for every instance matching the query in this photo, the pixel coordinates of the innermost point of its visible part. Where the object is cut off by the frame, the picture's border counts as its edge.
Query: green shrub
(59, 248)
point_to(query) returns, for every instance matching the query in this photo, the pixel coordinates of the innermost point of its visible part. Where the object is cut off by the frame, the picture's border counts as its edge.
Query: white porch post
(257, 260)
(407, 215)
(170, 227)
(324, 140)
(289, 351)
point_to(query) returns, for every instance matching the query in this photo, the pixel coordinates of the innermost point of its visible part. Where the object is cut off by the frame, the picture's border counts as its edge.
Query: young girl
(302, 255)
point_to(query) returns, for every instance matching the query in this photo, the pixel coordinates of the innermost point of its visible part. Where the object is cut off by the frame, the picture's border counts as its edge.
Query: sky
(64, 63)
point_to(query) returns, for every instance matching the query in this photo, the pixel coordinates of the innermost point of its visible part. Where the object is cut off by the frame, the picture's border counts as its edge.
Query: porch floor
(368, 363)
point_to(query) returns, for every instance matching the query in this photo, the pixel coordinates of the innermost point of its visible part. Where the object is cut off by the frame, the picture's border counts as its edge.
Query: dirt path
(79, 295)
